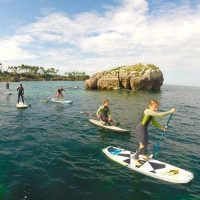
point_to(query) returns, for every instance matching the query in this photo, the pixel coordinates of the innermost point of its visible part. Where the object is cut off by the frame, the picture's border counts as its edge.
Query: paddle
(156, 147)
(94, 115)
(87, 113)
(47, 99)
(25, 98)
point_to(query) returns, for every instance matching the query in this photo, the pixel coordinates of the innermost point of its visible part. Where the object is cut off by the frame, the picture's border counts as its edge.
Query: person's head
(106, 103)
(153, 104)
(20, 85)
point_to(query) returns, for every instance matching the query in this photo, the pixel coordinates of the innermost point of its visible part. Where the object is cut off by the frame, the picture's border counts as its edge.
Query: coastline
(40, 77)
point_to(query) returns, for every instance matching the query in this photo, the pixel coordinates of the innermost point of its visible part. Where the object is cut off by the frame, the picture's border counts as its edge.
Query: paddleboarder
(59, 93)
(7, 87)
(20, 90)
(149, 115)
(104, 114)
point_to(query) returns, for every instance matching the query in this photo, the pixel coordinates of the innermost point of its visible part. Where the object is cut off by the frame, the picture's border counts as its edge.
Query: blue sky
(96, 35)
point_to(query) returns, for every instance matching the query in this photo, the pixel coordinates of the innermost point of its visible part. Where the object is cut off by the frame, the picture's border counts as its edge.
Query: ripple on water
(51, 151)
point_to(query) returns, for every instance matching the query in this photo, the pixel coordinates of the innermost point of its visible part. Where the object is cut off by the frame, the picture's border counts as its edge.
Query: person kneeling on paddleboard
(141, 129)
(20, 90)
(104, 113)
(59, 93)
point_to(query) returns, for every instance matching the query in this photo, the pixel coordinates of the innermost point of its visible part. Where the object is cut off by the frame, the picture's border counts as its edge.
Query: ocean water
(51, 152)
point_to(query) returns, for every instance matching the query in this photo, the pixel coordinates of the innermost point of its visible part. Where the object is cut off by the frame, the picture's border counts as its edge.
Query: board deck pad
(151, 167)
(113, 128)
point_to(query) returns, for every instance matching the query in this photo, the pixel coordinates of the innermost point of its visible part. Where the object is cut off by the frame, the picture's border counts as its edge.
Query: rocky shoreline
(133, 77)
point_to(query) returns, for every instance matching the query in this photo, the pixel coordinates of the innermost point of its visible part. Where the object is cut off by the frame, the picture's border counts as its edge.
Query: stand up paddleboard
(8, 93)
(152, 168)
(113, 128)
(61, 101)
(21, 105)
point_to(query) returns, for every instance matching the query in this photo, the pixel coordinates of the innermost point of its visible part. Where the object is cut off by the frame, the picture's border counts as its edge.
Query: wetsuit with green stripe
(141, 128)
(104, 113)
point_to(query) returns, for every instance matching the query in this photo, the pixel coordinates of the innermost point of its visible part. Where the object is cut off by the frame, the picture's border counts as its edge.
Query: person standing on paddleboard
(149, 115)
(7, 87)
(20, 90)
(104, 114)
(59, 93)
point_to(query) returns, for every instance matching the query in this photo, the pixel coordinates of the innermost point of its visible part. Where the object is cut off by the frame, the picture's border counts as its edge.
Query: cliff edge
(134, 77)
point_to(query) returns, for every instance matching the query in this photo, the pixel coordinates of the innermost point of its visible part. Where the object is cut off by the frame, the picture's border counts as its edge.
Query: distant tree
(23, 68)
(41, 70)
(13, 69)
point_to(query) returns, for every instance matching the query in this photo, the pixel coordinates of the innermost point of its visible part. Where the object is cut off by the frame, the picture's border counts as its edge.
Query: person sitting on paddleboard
(149, 115)
(59, 93)
(7, 88)
(104, 113)
(20, 90)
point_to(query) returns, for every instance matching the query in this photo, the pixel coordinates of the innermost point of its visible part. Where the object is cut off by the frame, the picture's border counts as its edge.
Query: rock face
(134, 77)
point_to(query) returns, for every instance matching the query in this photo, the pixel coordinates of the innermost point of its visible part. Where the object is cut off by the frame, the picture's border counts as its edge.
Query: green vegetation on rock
(138, 69)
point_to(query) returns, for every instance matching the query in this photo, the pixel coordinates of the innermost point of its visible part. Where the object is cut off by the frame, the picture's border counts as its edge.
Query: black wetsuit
(7, 86)
(142, 133)
(141, 128)
(20, 93)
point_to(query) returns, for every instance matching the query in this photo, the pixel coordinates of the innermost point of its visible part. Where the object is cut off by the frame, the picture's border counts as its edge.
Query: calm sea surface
(51, 151)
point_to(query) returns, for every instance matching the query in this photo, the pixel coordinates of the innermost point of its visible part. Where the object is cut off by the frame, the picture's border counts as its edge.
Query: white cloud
(124, 34)
(11, 48)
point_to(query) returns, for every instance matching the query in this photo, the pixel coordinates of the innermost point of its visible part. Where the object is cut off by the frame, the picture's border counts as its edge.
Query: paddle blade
(44, 101)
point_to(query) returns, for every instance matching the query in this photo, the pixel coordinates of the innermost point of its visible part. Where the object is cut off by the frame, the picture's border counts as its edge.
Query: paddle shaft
(158, 144)
(25, 99)
(166, 126)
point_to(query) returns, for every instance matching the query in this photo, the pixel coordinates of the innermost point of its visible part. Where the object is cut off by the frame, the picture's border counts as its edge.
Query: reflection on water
(51, 151)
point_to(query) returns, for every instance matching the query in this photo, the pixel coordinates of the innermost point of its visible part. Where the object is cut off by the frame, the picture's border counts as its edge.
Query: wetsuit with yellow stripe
(141, 128)
(104, 114)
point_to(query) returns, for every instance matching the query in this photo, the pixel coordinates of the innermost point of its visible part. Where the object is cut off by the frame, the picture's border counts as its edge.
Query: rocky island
(134, 77)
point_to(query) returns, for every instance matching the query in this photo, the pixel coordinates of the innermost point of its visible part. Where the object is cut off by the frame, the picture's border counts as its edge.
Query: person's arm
(99, 111)
(109, 114)
(22, 91)
(155, 123)
(157, 114)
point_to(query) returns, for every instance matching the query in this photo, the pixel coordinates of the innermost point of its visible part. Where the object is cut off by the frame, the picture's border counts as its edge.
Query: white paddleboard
(21, 105)
(113, 128)
(61, 101)
(152, 168)
(7, 93)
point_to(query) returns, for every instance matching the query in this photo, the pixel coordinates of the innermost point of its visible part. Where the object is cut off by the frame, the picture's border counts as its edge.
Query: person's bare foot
(143, 157)
(137, 163)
